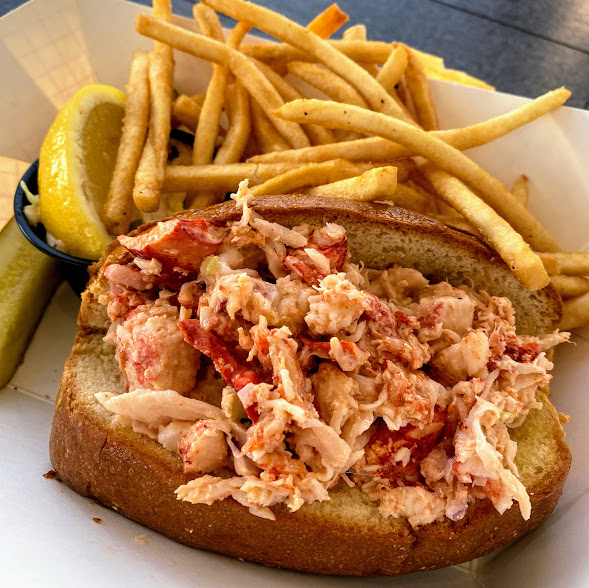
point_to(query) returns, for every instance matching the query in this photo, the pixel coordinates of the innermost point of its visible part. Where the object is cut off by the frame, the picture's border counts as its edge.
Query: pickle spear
(28, 279)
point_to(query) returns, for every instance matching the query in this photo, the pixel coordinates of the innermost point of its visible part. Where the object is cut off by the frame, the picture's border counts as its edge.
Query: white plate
(48, 534)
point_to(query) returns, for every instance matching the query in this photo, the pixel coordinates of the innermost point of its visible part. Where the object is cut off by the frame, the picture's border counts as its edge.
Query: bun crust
(346, 535)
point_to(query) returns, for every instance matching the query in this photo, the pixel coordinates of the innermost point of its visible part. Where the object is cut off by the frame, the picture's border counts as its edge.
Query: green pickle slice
(28, 279)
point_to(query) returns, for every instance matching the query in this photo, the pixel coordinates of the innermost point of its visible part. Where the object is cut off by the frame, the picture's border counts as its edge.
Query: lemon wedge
(75, 168)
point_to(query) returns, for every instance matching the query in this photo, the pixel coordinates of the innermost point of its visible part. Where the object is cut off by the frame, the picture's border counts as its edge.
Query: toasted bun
(346, 535)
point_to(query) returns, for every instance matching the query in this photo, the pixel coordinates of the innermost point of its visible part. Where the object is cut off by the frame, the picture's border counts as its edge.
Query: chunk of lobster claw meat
(178, 244)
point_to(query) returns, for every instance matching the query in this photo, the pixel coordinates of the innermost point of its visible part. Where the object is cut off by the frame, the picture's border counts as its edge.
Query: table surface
(523, 47)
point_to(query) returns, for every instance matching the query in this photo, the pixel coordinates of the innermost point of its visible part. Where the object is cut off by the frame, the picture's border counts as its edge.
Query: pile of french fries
(348, 118)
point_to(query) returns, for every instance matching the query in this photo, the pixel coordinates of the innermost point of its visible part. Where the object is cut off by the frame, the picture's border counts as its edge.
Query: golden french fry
(521, 190)
(375, 148)
(268, 138)
(150, 171)
(286, 30)
(283, 53)
(489, 130)
(328, 22)
(457, 77)
(404, 97)
(198, 98)
(392, 70)
(429, 60)
(208, 22)
(238, 112)
(425, 189)
(436, 70)
(569, 286)
(456, 222)
(318, 135)
(202, 199)
(185, 111)
(358, 33)
(332, 85)
(306, 176)
(208, 124)
(119, 203)
(550, 265)
(162, 9)
(370, 149)
(575, 312)
(375, 184)
(406, 197)
(421, 96)
(221, 178)
(347, 117)
(242, 68)
(572, 263)
(497, 232)
(355, 33)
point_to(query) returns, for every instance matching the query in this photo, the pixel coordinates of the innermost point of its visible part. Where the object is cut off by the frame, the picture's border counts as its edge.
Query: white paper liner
(49, 50)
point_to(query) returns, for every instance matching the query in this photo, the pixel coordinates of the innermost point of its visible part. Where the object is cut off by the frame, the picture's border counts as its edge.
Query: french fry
(162, 9)
(212, 108)
(268, 138)
(286, 30)
(208, 124)
(489, 130)
(119, 203)
(306, 176)
(370, 149)
(428, 60)
(283, 53)
(242, 68)
(456, 222)
(457, 77)
(435, 69)
(238, 112)
(550, 265)
(358, 33)
(208, 127)
(342, 116)
(521, 190)
(418, 87)
(318, 135)
(403, 96)
(202, 199)
(575, 312)
(199, 98)
(185, 111)
(376, 148)
(569, 286)
(406, 197)
(497, 232)
(327, 82)
(375, 184)
(572, 264)
(150, 171)
(220, 178)
(424, 188)
(328, 22)
(392, 70)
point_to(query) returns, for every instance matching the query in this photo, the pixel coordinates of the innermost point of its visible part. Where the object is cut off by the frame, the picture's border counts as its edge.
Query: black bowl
(75, 268)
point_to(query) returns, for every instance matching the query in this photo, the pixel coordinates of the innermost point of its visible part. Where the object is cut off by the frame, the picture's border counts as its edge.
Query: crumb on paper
(97, 520)
(52, 475)
(142, 539)
(47, 396)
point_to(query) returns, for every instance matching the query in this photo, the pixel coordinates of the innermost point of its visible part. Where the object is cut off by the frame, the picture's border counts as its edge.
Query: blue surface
(523, 47)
